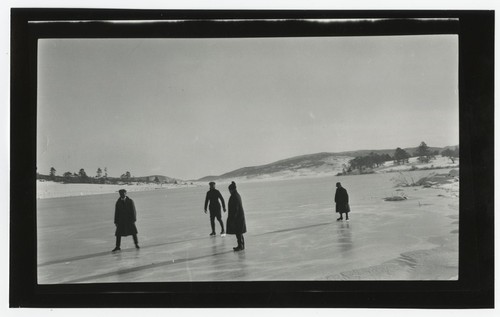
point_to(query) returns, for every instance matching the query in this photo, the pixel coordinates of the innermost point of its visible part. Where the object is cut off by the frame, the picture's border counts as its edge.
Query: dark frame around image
(475, 29)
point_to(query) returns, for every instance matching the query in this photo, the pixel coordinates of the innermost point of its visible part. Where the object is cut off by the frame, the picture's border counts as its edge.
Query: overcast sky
(189, 108)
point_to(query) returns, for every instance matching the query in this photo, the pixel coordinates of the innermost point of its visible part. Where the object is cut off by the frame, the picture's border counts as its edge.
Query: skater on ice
(236, 217)
(342, 202)
(125, 218)
(213, 196)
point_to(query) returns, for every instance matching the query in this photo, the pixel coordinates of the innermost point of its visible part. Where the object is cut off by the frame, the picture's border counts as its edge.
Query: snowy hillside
(320, 164)
(438, 162)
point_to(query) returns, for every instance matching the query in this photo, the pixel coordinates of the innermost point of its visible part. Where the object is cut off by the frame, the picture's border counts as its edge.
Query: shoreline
(50, 189)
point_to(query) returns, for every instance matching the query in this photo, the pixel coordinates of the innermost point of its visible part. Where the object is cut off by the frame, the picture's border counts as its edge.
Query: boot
(136, 241)
(241, 243)
(237, 248)
(118, 242)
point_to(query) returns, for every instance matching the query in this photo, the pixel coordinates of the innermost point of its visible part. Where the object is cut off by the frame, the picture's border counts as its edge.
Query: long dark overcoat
(125, 217)
(235, 215)
(341, 200)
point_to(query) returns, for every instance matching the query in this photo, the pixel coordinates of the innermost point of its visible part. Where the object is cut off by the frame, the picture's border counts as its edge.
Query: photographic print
(285, 119)
(197, 151)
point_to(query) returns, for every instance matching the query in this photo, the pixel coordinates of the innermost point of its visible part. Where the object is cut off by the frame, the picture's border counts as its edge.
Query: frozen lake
(292, 235)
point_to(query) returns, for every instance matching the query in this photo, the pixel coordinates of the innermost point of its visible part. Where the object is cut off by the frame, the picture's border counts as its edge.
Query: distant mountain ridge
(305, 165)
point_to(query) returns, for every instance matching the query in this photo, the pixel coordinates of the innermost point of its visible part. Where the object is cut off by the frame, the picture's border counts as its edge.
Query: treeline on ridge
(102, 177)
(400, 156)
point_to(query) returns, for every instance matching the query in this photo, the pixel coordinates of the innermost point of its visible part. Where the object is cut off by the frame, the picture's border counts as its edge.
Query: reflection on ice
(344, 238)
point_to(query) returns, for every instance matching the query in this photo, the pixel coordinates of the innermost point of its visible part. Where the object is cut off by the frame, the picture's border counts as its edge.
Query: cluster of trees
(423, 153)
(451, 154)
(82, 177)
(101, 177)
(401, 156)
(370, 161)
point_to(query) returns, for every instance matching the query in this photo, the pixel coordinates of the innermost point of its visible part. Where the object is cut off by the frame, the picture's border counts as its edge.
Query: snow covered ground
(438, 162)
(48, 189)
(292, 234)
(335, 167)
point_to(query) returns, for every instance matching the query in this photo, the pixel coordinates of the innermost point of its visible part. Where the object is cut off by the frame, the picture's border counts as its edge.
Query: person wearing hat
(213, 196)
(236, 217)
(342, 202)
(125, 218)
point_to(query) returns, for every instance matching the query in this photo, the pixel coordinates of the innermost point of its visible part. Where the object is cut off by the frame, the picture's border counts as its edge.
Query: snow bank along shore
(47, 189)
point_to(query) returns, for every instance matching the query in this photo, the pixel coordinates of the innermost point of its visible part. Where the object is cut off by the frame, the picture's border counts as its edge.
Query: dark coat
(125, 217)
(235, 215)
(213, 196)
(341, 200)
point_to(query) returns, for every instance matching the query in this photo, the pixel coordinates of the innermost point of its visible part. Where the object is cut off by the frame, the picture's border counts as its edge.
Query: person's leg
(212, 224)
(219, 218)
(347, 216)
(136, 241)
(241, 242)
(238, 239)
(118, 243)
(340, 218)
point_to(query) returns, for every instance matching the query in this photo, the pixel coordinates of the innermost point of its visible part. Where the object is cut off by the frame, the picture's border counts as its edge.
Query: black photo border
(475, 286)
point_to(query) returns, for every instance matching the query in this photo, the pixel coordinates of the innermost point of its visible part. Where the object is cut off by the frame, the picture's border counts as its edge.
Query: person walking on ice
(236, 217)
(213, 196)
(125, 218)
(342, 202)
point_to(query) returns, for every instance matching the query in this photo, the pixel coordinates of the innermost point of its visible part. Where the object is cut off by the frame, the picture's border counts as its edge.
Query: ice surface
(292, 235)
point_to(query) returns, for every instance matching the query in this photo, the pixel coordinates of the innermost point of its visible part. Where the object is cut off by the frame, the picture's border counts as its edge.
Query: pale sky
(189, 108)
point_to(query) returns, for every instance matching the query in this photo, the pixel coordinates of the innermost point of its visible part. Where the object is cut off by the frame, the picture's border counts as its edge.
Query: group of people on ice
(235, 223)
(125, 214)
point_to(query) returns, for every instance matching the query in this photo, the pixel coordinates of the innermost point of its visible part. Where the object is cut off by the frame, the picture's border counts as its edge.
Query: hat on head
(211, 183)
(232, 186)
(338, 183)
(122, 191)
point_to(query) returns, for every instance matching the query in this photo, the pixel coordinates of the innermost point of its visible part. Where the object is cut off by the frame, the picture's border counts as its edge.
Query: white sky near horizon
(189, 108)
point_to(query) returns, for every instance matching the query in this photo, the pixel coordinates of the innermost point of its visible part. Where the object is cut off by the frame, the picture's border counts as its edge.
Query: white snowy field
(48, 189)
(438, 162)
(292, 234)
(337, 163)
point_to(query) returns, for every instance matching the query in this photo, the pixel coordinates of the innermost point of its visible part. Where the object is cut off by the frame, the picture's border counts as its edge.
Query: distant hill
(410, 150)
(306, 165)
